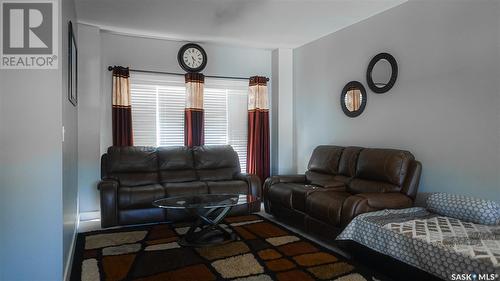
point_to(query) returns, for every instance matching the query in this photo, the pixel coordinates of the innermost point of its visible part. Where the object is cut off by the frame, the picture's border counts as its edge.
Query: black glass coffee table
(210, 210)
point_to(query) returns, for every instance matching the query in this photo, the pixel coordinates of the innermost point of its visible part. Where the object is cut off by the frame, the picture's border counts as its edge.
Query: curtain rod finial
(110, 68)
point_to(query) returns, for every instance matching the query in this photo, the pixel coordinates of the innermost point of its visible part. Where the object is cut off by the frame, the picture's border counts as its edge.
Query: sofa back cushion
(380, 170)
(325, 159)
(323, 165)
(216, 162)
(132, 165)
(465, 208)
(348, 160)
(176, 164)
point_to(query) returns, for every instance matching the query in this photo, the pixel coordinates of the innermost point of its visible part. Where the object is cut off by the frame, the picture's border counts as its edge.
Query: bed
(443, 246)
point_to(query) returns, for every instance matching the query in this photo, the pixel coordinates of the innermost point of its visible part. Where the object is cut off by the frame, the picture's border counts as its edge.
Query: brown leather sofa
(341, 183)
(133, 177)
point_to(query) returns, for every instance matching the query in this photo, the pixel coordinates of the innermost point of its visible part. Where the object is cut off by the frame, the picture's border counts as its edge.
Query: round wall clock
(192, 57)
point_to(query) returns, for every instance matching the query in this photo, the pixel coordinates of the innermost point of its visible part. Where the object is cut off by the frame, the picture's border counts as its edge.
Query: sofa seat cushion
(232, 186)
(138, 216)
(368, 202)
(326, 205)
(363, 186)
(185, 188)
(135, 179)
(139, 197)
(322, 179)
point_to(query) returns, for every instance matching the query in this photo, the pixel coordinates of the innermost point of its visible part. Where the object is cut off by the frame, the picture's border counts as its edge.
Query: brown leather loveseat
(341, 183)
(133, 177)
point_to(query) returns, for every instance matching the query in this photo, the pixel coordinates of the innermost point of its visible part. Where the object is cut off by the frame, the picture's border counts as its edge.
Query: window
(157, 109)
(158, 103)
(226, 114)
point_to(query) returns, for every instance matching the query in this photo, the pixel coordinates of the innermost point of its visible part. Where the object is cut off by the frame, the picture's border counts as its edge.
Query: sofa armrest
(386, 200)
(254, 189)
(254, 185)
(290, 178)
(279, 179)
(336, 187)
(410, 185)
(109, 202)
(284, 178)
(369, 202)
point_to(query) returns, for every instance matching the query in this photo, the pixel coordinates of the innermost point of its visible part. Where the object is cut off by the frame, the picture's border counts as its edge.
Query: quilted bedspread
(442, 246)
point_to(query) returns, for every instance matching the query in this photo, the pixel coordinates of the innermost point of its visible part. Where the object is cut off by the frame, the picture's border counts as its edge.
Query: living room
(250, 140)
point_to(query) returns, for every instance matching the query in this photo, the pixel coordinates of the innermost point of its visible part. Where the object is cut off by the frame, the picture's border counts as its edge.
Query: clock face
(192, 57)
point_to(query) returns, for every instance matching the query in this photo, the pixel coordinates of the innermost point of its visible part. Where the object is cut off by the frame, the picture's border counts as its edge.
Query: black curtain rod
(110, 68)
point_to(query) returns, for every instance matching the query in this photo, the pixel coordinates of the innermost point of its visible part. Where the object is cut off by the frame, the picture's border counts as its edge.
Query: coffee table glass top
(204, 201)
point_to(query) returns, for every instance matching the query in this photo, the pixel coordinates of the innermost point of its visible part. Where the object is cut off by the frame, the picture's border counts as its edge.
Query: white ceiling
(254, 23)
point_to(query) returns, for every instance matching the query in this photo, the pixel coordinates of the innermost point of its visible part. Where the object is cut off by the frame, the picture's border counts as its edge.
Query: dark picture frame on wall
(72, 66)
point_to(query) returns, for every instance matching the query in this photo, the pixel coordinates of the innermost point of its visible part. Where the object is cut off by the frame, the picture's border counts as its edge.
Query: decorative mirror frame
(347, 87)
(394, 74)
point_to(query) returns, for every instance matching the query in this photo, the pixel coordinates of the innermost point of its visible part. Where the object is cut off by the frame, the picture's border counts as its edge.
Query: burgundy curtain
(122, 111)
(193, 114)
(258, 149)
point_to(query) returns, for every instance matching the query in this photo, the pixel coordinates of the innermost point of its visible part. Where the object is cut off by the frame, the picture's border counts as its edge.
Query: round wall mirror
(353, 99)
(382, 73)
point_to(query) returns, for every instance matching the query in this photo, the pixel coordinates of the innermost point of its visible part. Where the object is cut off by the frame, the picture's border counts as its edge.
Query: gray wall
(444, 107)
(35, 197)
(89, 110)
(274, 110)
(70, 144)
(31, 175)
(282, 93)
(138, 53)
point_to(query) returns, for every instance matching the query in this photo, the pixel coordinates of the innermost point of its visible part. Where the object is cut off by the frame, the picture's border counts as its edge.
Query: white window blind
(226, 114)
(157, 109)
(143, 101)
(158, 103)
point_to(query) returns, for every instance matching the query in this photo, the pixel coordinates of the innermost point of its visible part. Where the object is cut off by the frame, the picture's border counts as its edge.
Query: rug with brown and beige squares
(264, 251)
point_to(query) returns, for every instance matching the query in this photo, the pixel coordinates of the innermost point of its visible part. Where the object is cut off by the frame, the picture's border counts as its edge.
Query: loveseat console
(341, 183)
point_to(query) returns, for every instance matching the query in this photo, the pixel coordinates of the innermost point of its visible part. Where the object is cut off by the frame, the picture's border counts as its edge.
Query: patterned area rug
(264, 251)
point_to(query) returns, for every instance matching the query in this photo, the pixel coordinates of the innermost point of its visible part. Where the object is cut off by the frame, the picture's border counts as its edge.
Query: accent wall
(444, 107)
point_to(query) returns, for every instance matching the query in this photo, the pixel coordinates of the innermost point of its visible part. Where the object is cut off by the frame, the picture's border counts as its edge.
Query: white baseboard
(88, 216)
(71, 253)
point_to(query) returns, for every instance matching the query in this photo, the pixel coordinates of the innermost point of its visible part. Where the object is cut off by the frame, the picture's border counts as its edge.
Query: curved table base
(205, 230)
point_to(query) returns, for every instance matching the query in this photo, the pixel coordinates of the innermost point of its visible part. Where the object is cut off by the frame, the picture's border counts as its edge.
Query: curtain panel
(258, 148)
(121, 108)
(193, 115)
